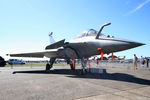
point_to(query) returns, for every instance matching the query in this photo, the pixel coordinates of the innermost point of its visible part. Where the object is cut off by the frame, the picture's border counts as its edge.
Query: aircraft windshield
(89, 32)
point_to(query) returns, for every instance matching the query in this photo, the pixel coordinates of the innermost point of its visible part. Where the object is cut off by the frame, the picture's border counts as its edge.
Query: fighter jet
(89, 43)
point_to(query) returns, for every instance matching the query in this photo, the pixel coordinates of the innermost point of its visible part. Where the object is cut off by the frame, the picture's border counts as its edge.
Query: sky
(25, 24)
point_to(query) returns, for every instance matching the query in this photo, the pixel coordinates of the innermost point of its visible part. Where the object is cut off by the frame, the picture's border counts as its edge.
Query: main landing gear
(50, 64)
(72, 64)
(84, 63)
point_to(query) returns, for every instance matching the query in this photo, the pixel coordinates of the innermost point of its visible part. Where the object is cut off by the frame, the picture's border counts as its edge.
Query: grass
(34, 64)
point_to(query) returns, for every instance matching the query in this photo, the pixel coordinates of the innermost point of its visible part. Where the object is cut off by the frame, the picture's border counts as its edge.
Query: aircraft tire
(48, 67)
(2, 62)
(71, 66)
(83, 71)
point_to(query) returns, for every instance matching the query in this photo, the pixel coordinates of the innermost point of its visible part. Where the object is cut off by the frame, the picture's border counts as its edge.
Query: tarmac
(34, 83)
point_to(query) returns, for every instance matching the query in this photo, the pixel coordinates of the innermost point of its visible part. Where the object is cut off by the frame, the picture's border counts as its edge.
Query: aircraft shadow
(55, 71)
(106, 76)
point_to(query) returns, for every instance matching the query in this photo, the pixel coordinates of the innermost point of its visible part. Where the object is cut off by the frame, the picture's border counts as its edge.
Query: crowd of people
(144, 61)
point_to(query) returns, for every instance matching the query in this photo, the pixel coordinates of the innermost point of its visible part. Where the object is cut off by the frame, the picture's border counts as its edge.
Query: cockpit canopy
(92, 32)
(89, 32)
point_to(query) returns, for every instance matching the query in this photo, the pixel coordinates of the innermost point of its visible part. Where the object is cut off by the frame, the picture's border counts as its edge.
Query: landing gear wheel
(48, 67)
(72, 68)
(83, 72)
(50, 64)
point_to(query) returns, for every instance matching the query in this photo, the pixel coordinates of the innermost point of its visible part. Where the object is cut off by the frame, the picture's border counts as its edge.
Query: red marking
(89, 63)
(113, 56)
(99, 49)
(102, 55)
(73, 63)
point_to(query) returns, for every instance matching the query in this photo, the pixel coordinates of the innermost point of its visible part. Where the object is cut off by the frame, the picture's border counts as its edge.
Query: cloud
(139, 7)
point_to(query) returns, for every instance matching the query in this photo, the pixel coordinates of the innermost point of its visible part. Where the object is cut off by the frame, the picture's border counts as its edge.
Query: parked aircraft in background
(88, 44)
(15, 62)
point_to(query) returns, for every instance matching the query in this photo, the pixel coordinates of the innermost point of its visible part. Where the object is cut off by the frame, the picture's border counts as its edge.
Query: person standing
(147, 62)
(142, 61)
(135, 59)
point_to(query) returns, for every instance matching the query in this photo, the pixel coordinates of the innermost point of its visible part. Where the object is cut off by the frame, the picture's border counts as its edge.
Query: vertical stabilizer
(51, 38)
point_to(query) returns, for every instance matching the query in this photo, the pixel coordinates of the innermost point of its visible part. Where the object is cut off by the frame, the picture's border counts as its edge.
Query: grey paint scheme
(85, 46)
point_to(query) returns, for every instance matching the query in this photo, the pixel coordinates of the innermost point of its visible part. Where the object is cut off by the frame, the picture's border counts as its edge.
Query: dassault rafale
(89, 43)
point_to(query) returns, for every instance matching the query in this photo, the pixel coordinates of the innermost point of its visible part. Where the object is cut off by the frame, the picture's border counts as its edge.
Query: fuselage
(89, 43)
(87, 46)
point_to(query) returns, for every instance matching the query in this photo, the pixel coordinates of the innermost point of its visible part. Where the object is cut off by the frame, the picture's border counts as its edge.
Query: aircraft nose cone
(122, 44)
(127, 44)
(135, 44)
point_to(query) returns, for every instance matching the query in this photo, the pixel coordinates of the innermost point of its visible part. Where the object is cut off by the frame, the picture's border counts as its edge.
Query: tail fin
(51, 38)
